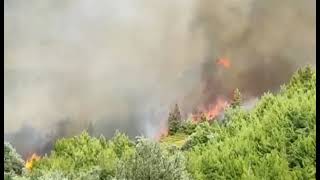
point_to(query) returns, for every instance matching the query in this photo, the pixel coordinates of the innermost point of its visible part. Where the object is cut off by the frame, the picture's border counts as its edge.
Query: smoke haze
(123, 64)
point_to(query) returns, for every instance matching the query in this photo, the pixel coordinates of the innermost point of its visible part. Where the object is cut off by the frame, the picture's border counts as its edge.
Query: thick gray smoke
(122, 64)
(265, 40)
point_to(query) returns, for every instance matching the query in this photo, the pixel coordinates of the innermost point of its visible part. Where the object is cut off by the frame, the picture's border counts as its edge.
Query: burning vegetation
(30, 161)
(218, 103)
(224, 62)
(204, 112)
(211, 112)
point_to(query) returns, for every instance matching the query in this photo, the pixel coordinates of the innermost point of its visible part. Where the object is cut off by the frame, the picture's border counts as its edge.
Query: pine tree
(236, 99)
(174, 120)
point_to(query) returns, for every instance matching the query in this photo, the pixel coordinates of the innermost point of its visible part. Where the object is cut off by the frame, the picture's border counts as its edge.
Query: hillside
(274, 140)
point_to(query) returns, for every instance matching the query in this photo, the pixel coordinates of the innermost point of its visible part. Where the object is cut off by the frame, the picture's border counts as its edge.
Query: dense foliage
(151, 162)
(275, 140)
(86, 154)
(13, 161)
(187, 127)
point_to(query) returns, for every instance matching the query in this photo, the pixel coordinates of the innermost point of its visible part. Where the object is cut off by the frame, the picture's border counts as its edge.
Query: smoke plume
(122, 64)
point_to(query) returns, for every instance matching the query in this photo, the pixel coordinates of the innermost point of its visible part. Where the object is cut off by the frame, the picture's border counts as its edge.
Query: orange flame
(216, 109)
(30, 161)
(211, 112)
(225, 62)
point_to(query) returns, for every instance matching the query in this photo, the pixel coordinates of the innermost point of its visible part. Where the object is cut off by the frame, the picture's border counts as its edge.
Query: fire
(216, 109)
(30, 161)
(212, 111)
(225, 62)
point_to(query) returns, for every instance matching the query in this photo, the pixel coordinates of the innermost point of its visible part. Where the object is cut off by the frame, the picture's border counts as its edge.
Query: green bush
(120, 144)
(82, 153)
(151, 162)
(89, 174)
(203, 133)
(13, 163)
(187, 127)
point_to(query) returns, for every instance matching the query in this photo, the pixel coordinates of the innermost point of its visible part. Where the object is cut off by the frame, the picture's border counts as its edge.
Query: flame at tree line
(208, 113)
(211, 112)
(30, 161)
(216, 108)
(203, 114)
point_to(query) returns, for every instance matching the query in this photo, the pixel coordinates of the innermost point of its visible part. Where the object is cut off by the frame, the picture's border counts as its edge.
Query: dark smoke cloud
(123, 64)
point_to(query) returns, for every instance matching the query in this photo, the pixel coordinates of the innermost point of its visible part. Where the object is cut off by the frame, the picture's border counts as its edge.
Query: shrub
(187, 127)
(151, 162)
(88, 174)
(120, 144)
(202, 135)
(83, 153)
(13, 163)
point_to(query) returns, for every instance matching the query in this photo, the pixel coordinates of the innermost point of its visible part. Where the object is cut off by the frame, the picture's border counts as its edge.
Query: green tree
(174, 120)
(120, 143)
